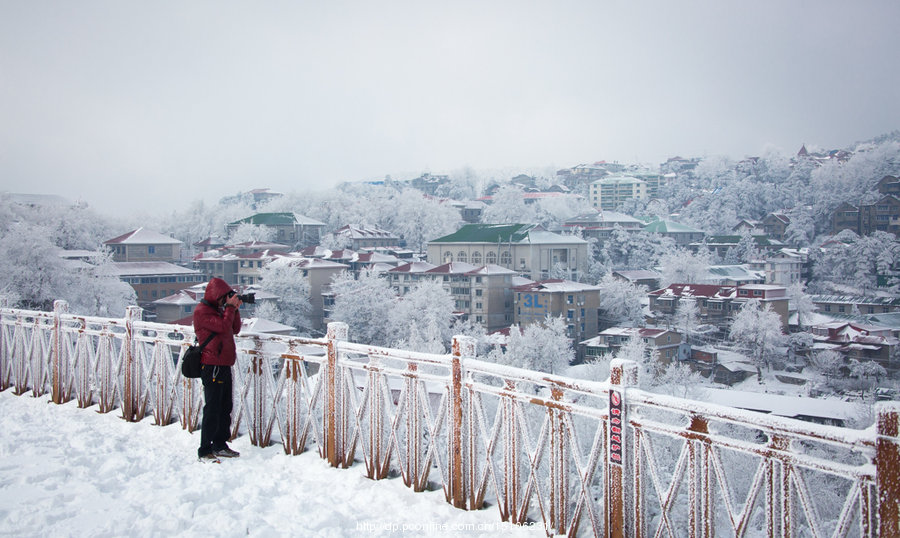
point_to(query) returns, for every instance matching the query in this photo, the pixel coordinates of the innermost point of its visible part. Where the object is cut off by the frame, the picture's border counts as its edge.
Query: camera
(249, 298)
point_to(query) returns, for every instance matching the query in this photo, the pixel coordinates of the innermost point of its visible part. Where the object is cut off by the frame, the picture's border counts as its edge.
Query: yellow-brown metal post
(57, 356)
(463, 346)
(131, 408)
(333, 451)
(887, 465)
(623, 373)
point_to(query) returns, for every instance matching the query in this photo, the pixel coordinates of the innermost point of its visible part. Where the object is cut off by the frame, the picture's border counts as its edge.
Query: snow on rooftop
(142, 236)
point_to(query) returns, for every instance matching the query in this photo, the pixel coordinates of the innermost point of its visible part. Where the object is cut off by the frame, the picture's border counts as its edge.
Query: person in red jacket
(218, 313)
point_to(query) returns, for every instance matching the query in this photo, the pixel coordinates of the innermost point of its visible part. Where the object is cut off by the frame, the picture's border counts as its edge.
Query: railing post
(559, 468)
(131, 395)
(4, 351)
(333, 449)
(463, 346)
(623, 374)
(58, 361)
(887, 468)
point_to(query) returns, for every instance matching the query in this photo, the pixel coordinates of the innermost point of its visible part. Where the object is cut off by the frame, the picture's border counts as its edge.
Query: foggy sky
(119, 103)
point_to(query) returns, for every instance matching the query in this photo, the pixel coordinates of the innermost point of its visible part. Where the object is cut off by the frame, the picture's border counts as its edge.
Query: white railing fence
(581, 457)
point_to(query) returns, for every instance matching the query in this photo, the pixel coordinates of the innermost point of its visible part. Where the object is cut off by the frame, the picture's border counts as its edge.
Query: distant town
(776, 268)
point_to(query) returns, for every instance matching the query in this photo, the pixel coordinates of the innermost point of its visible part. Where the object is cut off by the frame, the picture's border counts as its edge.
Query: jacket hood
(215, 289)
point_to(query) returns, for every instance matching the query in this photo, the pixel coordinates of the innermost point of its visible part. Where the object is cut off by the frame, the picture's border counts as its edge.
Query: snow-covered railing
(583, 458)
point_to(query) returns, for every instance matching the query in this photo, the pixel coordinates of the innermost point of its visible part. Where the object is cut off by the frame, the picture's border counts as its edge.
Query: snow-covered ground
(66, 471)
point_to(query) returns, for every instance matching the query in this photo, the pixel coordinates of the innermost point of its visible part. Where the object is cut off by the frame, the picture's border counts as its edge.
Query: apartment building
(607, 193)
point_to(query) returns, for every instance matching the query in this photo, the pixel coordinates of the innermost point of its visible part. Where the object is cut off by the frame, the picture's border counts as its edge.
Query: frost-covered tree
(633, 250)
(686, 317)
(543, 347)
(284, 279)
(365, 305)
(621, 302)
(758, 330)
(422, 318)
(681, 266)
(33, 275)
(419, 219)
(855, 261)
(247, 233)
(508, 207)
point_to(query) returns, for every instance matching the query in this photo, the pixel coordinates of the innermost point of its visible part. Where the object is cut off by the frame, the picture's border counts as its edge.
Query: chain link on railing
(581, 457)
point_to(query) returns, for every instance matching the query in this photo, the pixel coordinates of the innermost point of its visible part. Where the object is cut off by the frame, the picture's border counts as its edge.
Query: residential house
(882, 216)
(772, 296)
(482, 294)
(775, 225)
(665, 342)
(578, 304)
(404, 278)
(858, 341)
(849, 304)
(319, 273)
(639, 277)
(753, 227)
(889, 185)
(218, 263)
(732, 275)
(144, 245)
(845, 217)
(866, 219)
(785, 267)
(429, 184)
(155, 280)
(682, 235)
(528, 249)
(290, 228)
(360, 238)
(601, 224)
(721, 244)
(607, 193)
(250, 266)
(718, 304)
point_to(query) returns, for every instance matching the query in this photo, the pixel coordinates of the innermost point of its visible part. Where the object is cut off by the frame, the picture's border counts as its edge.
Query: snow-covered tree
(284, 279)
(543, 347)
(247, 232)
(365, 305)
(758, 330)
(422, 318)
(686, 317)
(621, 302)
(508, 207)
(681, 266)
(419, 219)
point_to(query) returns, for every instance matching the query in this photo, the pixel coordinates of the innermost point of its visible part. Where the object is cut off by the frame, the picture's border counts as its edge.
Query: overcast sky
(125, 104)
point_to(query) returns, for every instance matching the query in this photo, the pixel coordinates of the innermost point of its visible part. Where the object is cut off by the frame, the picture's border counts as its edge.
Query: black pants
(215, 428)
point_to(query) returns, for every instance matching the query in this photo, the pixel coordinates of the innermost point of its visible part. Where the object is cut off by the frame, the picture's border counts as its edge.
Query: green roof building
(528, 249)
(290, 228)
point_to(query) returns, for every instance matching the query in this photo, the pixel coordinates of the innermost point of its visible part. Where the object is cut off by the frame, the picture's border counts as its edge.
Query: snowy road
(66, 471)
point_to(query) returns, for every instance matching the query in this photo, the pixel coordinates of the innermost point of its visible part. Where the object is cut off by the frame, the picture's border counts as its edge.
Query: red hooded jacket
(224, 322)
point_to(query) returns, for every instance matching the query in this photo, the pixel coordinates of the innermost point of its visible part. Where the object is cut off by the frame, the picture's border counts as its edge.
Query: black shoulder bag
(190, 364)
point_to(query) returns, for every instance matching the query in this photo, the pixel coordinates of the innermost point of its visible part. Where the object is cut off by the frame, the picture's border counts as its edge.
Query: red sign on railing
(616, 431)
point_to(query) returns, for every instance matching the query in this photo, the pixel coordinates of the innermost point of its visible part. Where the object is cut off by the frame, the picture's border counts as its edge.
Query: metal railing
(581, 457)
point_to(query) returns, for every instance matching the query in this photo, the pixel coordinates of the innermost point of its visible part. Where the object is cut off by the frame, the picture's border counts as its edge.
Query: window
(448, 257)
(478, 292)
(491, 258)
(151, 250)
(476, 258)
(506, 259)
(461, 257)
(570, 299)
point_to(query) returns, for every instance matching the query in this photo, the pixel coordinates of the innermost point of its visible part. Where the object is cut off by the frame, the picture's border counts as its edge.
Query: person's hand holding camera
(233, 300)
